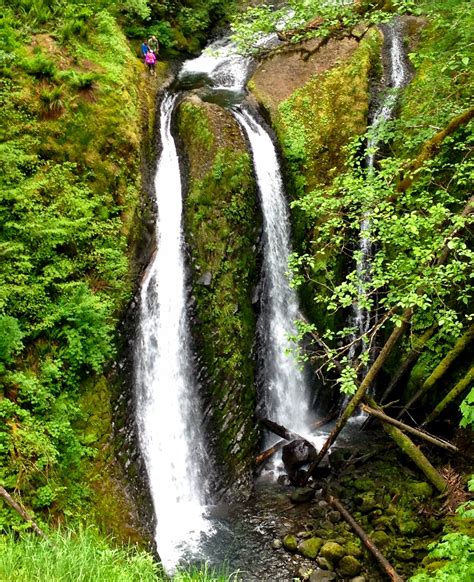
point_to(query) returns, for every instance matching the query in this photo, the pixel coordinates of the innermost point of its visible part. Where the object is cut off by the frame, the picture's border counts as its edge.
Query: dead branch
(368, 543)
(405, 427)
(12, 503)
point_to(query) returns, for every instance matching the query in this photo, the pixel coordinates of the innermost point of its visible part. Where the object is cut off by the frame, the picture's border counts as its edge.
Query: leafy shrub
(78, 81)
(40, 66)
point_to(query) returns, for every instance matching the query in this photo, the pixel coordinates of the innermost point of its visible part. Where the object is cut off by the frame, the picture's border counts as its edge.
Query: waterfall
(167, 401)
(397, 75)
(285, 390)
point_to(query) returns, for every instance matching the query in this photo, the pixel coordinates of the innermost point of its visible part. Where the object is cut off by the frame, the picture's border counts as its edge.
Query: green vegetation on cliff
(71, 153)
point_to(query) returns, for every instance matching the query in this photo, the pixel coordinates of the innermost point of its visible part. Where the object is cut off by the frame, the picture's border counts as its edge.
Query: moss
(221, 221)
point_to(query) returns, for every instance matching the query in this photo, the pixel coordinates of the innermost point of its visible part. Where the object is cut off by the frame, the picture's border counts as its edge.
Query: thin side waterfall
(397, 74)
(286, 397)
(167, 400)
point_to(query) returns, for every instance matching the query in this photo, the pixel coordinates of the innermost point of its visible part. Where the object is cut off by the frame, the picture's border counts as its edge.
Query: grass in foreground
(85, 556)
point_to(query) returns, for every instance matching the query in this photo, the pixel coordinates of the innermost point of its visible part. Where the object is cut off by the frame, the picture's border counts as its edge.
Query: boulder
(420, 489)
(296, 455)
(352, 549)
(304, 572)
(277, 544)
(332, 551)
(310, 548)
(290, 543)
(349, 566)
(325, 564)
(322, 576)
(302, 495)
(380, 539)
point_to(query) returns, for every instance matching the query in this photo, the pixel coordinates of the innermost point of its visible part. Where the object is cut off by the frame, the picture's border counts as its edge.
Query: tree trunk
(365, 384)
(368, 543)
(410, 449)
(280, 430)
(12, 503)
(377, 413)
(442, 367)
(452, 395)
(418, 345)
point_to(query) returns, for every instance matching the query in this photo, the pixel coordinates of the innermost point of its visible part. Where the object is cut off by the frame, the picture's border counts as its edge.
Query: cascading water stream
(285, 390)
(167, 401)
(397, 74)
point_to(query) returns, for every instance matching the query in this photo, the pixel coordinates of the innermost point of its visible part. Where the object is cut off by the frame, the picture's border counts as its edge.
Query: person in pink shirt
(150, 61)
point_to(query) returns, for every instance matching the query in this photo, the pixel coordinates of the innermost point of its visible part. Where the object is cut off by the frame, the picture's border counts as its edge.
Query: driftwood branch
(405, 427)
(458, 389)
(265, 455)
(280, 430)
(12, 503)
(368, 543)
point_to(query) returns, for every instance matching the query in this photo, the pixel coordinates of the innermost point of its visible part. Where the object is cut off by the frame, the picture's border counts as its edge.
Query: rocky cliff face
(222, 223)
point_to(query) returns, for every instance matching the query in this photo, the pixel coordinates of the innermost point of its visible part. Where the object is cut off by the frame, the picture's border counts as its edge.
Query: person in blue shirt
(144, 48)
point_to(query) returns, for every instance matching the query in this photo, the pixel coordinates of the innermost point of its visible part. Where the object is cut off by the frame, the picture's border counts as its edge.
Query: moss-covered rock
(349, 566)
(222, 223)
(290, 543)
(332, 551)
(310, 548)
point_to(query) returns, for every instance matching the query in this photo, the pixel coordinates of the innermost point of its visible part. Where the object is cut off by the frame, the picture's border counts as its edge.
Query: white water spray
(286, 397)
(167, 401)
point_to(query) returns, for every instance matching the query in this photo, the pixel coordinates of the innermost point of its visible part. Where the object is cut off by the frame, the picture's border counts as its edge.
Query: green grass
(85, 556)
(80, 556)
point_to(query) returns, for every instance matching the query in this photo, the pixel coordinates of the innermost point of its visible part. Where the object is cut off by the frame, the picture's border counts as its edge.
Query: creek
(190, 524)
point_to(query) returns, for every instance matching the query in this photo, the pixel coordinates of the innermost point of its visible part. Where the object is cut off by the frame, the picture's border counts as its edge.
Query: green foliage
(467, 410)
(409, 229)
(458, 550)
(69, 156)
(294, 21)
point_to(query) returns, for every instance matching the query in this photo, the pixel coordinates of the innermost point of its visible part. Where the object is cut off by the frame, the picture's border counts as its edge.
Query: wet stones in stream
(389, 501)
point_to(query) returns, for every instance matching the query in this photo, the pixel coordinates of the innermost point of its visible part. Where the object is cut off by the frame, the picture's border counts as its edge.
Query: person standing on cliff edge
(153, 44)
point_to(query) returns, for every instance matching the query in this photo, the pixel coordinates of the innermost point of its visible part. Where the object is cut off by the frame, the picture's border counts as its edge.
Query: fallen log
(368, 543)
(265, 455)
(405, 427)
(412, 451)
(280, 430)
(13, 504)
(462, 343)
(452, 395)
